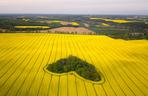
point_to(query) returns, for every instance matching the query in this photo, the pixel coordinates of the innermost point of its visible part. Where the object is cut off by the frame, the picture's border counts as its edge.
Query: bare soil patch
(72, 30)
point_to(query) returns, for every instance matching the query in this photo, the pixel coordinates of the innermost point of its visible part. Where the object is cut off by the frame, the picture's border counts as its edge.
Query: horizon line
(69, 14)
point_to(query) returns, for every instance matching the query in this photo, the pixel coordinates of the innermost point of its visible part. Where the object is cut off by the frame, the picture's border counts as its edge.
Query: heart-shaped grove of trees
(75, 64)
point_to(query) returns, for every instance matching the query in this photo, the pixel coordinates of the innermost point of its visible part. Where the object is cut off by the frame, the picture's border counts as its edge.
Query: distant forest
(136, 28)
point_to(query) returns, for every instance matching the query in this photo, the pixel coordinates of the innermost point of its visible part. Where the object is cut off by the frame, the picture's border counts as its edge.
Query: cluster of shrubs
(73, 63)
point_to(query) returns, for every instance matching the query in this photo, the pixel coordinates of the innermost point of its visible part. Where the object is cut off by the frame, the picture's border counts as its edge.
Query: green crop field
(124, 65)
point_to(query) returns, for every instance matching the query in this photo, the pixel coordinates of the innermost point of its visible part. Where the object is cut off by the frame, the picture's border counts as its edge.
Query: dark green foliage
(55, 25)
(8, 23)
(146, 36)
(73, 63)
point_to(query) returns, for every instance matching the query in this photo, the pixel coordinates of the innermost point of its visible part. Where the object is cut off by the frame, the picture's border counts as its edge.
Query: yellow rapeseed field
(32, 27)
(124, 65)
(105, 24)
(112, 20)
(75, 24)
(55, 21)
(119, 21)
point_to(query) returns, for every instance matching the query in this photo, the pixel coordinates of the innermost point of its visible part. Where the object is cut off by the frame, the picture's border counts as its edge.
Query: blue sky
(139, 7)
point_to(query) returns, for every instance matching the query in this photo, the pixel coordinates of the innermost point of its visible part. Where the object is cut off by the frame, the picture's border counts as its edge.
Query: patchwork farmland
(124, 65)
